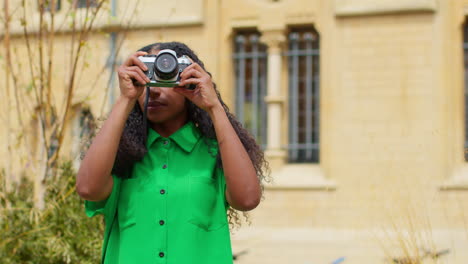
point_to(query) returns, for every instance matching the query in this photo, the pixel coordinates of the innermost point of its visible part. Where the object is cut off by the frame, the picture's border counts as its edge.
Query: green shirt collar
(186, 137)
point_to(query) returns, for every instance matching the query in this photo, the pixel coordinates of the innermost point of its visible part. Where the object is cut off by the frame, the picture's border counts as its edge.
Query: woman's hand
(204, 94)
(132, 80)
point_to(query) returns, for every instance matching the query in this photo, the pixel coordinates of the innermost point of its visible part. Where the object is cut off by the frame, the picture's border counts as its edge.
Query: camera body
(164, 69)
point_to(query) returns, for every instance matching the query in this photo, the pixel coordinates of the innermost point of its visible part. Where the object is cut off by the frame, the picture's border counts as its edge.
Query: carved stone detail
(274, 39)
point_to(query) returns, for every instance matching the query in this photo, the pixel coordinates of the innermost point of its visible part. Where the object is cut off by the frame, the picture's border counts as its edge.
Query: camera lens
(166, 66)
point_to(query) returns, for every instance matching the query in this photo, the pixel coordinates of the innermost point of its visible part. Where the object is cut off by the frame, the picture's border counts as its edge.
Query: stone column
(275, 40)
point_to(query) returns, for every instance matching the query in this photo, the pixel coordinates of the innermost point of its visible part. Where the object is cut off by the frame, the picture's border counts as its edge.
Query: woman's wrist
(215, 109)
(127, 103)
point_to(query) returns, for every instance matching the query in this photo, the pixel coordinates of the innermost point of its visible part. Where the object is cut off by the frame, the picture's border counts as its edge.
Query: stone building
(359, 104)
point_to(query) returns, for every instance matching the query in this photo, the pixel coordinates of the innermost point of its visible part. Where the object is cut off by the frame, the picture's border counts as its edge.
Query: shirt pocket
(127, 204)
(205, 210)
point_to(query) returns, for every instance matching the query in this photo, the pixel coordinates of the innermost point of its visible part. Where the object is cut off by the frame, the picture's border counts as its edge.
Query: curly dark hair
(132, 146)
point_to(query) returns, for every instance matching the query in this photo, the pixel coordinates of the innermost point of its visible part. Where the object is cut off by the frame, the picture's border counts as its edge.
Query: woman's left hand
(204, 94)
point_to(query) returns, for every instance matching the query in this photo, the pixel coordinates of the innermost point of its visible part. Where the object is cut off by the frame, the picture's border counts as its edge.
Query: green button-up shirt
(173, 208)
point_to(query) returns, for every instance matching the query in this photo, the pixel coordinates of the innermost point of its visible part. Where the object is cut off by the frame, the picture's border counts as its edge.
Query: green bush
(61, 233)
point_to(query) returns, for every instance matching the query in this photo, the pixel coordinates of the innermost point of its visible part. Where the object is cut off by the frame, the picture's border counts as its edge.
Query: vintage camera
(164, 69)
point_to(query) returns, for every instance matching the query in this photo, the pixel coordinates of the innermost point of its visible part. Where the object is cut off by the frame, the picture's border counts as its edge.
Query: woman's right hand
(132, 80)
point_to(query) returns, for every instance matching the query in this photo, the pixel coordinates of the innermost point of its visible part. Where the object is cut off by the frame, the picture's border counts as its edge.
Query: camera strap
(145, 112)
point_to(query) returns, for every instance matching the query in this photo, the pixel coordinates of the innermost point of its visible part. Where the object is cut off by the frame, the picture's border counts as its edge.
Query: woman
(165, 192)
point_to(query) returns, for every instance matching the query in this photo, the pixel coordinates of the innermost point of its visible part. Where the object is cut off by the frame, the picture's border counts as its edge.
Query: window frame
(303, 47)
(78, 4)
(251, 59)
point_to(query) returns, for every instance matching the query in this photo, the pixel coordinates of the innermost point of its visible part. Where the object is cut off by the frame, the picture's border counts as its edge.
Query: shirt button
(161, 222)
(162, 191)
(165, 142)
(161, 254)
(164, 166)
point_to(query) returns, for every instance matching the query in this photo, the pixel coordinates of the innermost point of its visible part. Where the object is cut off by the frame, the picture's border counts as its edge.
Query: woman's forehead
(154, 51)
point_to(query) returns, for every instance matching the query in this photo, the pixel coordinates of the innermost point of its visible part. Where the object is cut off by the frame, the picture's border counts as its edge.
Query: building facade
(360, 106)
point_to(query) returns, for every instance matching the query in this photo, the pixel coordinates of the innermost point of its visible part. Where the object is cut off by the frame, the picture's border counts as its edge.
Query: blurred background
(360, 106)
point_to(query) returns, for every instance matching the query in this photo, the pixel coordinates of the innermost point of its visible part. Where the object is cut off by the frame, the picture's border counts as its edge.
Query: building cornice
(345, 8)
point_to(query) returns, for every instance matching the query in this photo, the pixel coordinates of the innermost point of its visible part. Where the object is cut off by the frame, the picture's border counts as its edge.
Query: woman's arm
(94, 181)
(243, 190)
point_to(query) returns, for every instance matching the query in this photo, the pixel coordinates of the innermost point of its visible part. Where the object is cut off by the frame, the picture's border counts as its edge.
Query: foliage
(61, 233)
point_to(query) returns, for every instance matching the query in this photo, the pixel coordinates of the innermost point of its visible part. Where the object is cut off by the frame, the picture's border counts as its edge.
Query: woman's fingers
(133, 60)
(197, 67)
(141, 81)
(136, 61)
(139, 72)
(194, 81)
(190, 72)
(134, 72)
(194, 74)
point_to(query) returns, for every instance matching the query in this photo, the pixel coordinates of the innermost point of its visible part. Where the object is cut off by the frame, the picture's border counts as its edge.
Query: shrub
(61, 233)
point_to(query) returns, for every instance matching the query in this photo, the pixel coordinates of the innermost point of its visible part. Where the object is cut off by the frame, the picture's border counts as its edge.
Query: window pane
(303, 75)
(250, 65)
(48, 3)
(86, 3)
(87, 127)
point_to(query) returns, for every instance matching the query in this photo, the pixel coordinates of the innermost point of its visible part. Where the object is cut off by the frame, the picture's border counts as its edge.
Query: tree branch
(39, 101)
(7, 87)
(87, 26)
